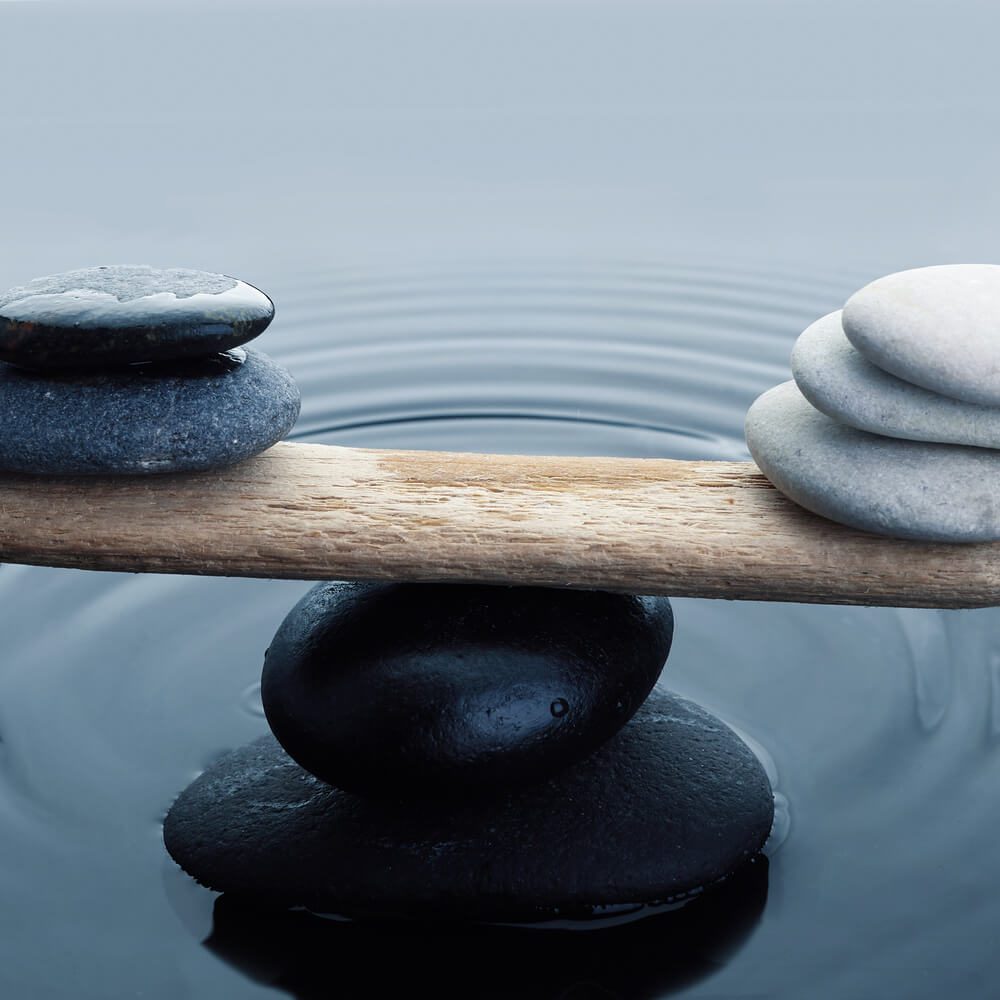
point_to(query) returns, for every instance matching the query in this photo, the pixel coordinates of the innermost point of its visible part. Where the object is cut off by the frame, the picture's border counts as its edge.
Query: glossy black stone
(101, 316)
(420, 688)
(672, 803)
(166, 417)
(619, 959)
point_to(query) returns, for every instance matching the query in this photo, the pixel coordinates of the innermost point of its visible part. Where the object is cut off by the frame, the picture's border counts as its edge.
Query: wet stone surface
(155, 418)
(422, 689)
(617, 958)
(100, 316)
(672, 803)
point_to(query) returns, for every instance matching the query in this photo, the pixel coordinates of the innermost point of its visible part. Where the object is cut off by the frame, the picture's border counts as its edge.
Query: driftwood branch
(700, 529)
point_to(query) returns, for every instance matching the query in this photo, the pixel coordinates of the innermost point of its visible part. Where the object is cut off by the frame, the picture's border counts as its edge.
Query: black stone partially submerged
(167, 417)
(417, 688)
(672, 803)
(311, 958)
(100, 316)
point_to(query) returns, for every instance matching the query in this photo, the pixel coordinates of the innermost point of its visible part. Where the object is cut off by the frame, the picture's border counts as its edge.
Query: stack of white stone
(892, 423)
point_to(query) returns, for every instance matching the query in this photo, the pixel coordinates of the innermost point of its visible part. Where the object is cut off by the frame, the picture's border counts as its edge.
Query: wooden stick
(693, 529)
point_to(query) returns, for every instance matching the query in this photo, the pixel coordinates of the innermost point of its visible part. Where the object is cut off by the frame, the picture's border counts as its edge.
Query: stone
(98, 317)
(843, 384)
(937, 327)
(620, 957)
(422, 688)
(161, 417)
(904, 489)
(674, 802)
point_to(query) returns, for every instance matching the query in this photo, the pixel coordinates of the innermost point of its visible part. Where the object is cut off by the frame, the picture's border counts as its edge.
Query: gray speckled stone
(937, 327)
(838, 380)
(673, 802)
(163, 417)
(905, 489)
(101, 316)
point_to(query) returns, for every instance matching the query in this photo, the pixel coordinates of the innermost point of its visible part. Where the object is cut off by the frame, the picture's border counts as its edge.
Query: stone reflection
(310, 957)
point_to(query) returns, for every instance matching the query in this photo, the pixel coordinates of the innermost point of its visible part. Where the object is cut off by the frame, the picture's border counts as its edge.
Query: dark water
(550, 228)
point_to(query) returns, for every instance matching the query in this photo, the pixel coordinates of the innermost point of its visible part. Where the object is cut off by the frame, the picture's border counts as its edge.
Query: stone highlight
(101, 317)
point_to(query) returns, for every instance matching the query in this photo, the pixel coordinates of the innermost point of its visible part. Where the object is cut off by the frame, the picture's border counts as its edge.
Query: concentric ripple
(635, 349)
(878, 727)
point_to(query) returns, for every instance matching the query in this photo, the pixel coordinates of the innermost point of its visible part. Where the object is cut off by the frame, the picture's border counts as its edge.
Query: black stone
(101, 316)
(312, 958)
(416, 688)
(673, 803)
(172, 417)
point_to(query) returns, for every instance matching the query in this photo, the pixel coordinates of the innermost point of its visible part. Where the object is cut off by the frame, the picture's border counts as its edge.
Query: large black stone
(672, 803)
(101, 316)
(165, 417)
(312, 958)
(414, 688)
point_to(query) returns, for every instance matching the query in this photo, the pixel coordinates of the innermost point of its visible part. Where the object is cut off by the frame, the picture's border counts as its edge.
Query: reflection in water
(311, 958)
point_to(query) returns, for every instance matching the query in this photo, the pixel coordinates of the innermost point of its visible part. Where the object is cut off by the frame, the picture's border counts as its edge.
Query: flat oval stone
(840, 382)
(394, 688)
(672, 803)
(937, 327)
(905, 489)
(103, 316)
(162, 417)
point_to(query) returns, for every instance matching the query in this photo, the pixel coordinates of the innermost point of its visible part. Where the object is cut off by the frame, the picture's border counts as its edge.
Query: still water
(549, 228)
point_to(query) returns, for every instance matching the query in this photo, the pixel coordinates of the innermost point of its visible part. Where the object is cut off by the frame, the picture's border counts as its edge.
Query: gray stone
(937, 327)
(101, 316)
(672, 803)
(436, 688)
(840, 382)
(905, 489)
(161, 417)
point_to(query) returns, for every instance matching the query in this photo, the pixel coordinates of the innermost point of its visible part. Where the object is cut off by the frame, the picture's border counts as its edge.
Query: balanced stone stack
(473, 752)
(133, 370)
(892, 422)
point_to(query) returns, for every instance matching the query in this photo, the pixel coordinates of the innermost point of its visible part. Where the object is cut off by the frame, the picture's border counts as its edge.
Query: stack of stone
(473, 752)
(892, 423)
(132, 370)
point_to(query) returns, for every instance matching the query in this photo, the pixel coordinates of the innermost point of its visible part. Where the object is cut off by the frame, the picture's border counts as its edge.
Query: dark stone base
(310, 958)
(671, 804)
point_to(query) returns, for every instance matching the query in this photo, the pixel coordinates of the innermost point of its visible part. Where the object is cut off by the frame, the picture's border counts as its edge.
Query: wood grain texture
(703, 529)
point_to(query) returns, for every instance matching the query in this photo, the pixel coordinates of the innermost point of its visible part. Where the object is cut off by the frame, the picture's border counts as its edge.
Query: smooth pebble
(905, 489)
(422, 688)
(162, 417)
(98, 317)
(674, 802)
(838, 380)
(937, 327)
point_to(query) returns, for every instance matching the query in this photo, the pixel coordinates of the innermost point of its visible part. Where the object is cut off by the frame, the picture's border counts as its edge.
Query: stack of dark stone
(133, 370)
(473, 753)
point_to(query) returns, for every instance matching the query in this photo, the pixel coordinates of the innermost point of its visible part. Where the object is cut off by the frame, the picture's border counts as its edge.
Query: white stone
(905, 489)
(838, 380)
(937, 327)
